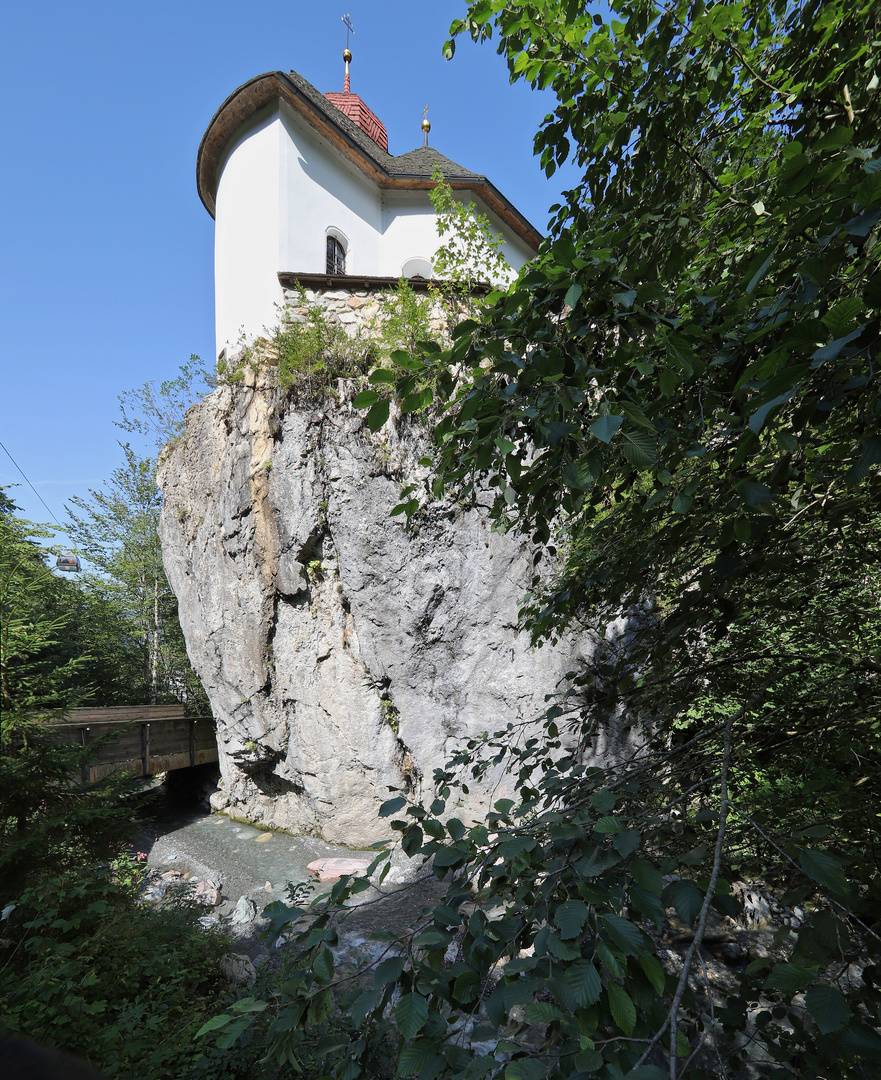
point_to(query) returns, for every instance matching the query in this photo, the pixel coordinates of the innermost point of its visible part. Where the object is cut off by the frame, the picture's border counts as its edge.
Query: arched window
(336, 256)
(417, 268)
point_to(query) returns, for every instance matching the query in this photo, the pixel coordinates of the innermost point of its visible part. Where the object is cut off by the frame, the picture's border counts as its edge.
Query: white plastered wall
(321, 191)
(410, 231)
(281, 189)
(246, 232)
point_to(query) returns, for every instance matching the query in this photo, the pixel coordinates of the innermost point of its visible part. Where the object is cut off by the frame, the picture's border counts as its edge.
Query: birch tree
(116, 529)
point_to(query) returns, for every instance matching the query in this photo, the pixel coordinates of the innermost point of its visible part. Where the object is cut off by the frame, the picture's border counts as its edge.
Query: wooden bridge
(152, 739)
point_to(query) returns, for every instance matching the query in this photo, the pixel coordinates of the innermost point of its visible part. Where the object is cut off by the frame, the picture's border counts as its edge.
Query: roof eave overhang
(241, 105)
(260, 91)
(291, 279)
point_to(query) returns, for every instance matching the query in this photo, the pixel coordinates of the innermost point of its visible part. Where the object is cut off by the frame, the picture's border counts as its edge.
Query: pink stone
(331, 869)
(207, 894)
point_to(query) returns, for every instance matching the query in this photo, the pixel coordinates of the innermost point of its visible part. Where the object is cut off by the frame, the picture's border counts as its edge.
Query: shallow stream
(238, 858)
(242, 860)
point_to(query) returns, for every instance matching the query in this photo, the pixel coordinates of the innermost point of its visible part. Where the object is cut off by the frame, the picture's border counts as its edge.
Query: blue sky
(106, 279)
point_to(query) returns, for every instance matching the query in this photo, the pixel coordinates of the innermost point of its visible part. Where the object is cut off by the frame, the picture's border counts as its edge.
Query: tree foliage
(403, 322)
(467, 264)
(118, 527)
(128, 612)
(35, 673)
(47, 817)
(91, 969)
(680, 397)
(86, 966)
(158, 415)
(470, 253)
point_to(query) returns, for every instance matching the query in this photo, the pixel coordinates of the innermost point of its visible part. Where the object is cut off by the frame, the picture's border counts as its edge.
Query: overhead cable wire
(33, 489)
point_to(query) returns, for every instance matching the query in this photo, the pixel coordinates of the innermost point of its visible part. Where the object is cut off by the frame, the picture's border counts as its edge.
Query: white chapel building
(303, 189)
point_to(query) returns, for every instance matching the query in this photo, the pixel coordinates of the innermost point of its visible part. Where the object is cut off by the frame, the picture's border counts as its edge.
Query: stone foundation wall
(360, 311)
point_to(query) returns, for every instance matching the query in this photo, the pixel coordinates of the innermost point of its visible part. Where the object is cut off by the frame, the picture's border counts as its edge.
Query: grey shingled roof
(425, 159)
(419, 162)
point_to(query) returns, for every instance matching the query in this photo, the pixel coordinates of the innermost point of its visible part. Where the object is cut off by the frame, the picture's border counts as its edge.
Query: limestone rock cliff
(343, 654)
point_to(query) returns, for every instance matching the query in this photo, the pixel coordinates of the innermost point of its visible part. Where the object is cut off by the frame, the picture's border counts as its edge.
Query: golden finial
(347, 55)
(426, 125)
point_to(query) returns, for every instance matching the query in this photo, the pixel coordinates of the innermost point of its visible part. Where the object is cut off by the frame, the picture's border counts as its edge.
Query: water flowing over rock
(343, 652)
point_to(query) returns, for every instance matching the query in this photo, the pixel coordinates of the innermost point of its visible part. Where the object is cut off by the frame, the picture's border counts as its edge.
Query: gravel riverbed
(183, 837)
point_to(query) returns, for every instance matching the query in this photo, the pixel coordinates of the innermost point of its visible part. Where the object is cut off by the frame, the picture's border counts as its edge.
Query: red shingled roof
(366, 119)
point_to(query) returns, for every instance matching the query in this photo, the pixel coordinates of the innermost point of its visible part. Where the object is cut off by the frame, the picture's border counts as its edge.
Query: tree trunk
(154, 646)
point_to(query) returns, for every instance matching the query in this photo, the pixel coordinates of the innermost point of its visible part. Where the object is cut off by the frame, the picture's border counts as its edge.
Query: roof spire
(426, 126)
(347, 56)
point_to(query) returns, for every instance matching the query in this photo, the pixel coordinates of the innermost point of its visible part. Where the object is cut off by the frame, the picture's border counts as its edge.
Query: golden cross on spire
(347, 56)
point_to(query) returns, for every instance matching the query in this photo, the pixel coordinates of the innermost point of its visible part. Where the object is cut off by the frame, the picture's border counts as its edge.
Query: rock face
(342, 652)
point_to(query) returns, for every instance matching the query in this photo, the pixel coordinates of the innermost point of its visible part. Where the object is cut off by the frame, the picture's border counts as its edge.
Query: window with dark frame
(336, 257)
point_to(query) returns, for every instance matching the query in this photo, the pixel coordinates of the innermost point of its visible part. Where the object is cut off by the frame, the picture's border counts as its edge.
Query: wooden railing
(151, 739)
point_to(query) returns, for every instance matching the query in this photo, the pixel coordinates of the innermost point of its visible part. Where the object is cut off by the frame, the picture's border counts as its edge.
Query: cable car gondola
(70, 563)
